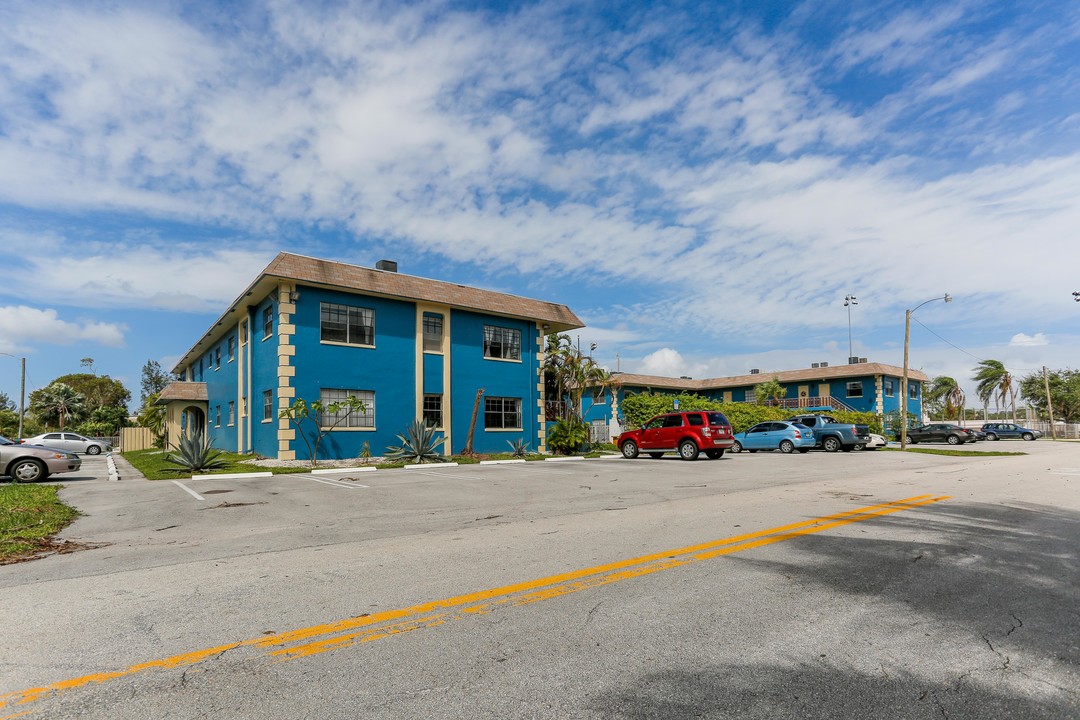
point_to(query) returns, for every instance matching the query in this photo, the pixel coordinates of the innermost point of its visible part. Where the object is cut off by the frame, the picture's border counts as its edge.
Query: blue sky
(703, 183)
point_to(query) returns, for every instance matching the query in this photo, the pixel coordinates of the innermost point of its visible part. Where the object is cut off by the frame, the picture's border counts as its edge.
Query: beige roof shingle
(180, 390)
(833, 372)
(302, 270)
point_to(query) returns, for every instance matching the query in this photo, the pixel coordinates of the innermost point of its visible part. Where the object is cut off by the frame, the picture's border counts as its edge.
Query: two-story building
(862, 386)
(405, 346)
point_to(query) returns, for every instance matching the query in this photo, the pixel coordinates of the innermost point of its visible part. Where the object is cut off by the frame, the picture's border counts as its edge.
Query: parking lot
(904, 603)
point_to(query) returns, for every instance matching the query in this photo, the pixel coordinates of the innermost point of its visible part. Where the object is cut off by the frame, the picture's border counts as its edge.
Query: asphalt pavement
(866, 584)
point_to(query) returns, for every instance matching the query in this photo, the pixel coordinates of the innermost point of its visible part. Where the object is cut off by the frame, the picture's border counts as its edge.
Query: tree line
(86, 403)
(996, 385)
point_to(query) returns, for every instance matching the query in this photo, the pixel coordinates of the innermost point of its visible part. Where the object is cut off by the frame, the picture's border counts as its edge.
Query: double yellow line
(366, 628)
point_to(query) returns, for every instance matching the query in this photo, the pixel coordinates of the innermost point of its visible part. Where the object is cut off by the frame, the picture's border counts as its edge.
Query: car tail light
(706, 431)
(798, 435)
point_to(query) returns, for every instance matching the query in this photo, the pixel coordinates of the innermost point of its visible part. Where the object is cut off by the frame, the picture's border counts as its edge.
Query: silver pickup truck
(832, 435)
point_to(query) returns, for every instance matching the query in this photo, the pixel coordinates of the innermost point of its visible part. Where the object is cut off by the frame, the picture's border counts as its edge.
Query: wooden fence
(136, 438)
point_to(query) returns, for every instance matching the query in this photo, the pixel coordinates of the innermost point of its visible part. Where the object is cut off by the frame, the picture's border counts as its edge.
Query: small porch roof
(182, 390)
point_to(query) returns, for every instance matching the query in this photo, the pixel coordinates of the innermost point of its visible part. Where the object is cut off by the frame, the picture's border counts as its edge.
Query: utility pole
(1049, 404)
(22, 396)
(848, 302)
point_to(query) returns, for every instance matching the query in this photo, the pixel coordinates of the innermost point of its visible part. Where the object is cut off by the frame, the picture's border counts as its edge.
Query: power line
(965, 351)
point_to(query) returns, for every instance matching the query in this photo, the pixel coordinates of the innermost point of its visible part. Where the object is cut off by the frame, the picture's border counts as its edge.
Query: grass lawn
(956, 453)
(29, 516)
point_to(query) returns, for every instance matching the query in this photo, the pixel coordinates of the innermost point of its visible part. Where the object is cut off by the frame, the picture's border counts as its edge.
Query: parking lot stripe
(336, 483)
(188, 490)
(343, 633)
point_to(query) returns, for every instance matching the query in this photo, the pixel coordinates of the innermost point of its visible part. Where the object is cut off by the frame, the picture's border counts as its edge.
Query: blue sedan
(783, 436)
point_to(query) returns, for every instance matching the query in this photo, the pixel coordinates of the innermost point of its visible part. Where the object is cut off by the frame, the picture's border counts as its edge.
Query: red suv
(687, 433)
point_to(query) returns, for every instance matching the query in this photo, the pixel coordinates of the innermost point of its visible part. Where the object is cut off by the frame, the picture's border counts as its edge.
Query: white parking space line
(188, 490)
(335, 483)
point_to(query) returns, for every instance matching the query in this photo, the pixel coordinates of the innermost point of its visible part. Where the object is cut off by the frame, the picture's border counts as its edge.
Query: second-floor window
(232, 348)
(854, 389)
(347, 324)
(268, 322)
(502, 343)
(890, 388)
(913, 391)
(433, 332)
(268, 405)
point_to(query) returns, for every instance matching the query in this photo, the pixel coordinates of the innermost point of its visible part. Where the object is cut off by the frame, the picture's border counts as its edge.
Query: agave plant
(518, 448)
(195, 454)
(418, 445)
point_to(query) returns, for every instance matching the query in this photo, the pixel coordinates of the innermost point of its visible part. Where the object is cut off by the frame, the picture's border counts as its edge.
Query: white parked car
(876, 441)
(72, 442)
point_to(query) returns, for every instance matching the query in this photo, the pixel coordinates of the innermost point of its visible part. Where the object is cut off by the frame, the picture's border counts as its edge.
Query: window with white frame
(232, 348)
(890, 387)
(217, 416)
(347, 324)
(502, 343)
(345, 418)
(913, 391)
(243, 332)
(217, 356)
(268, 322)
(268, 405)
(751, 396)
(232, 412)
(433, 410)
(854, 389)
(433, 332)
(502, 413)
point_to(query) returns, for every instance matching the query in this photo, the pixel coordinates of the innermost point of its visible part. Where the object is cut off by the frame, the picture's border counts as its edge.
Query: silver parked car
(27, 463)
(72, 442)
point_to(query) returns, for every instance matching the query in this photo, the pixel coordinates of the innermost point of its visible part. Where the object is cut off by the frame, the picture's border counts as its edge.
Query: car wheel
(688, 450)
(804, 450)
(831, 444)
(629, 449)
(28, 471)
(954, 440)
(913, 442)
(991, 436)
(1028, 436)
(656, 456)
(786, 446)
(93, 450)
(860, 447)
(714, 454)
(737, 447)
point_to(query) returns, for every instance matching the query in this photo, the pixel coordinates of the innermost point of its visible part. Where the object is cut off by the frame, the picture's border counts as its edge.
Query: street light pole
(22, 392)
(904, 381)
(848, 302)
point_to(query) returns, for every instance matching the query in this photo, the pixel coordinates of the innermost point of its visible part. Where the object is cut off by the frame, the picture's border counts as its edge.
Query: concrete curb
(114, 474)
(502, 462)
(232, 476)
(331, 471)
(564, 459)
(428, 466)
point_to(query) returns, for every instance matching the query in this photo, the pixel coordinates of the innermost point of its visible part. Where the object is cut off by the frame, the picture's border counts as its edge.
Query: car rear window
(716, 419)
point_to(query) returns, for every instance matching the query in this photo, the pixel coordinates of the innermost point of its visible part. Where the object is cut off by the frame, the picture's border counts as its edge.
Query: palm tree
(59, 401)
(946, 393)
(567, 373)
(995, 382)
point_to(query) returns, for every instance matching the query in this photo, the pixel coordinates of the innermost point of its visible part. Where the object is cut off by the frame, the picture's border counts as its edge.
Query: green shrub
(567, 436)
(518, 448)
(639, 408)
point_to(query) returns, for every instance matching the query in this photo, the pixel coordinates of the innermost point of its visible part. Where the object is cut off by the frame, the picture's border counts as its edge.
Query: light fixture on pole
(848, 302)
(904, 381)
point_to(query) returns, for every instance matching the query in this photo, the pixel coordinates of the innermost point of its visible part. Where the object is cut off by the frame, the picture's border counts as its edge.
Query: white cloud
(1024, 340)
(22, 326)
(666, 362)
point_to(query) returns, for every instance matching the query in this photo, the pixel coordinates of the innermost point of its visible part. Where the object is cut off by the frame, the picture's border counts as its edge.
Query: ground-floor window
(433, 410)
(345, 418)
(502, 413)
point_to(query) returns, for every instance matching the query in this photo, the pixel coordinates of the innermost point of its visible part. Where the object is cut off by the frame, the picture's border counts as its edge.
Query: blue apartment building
(862, 387)
(407, 347)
